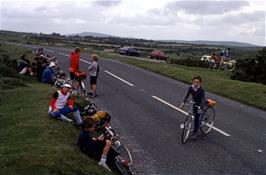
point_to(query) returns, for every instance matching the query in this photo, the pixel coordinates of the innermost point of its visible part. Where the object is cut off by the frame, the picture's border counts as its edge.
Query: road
(144, 106)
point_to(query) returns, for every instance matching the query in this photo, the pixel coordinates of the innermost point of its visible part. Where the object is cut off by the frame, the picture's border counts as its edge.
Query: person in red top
(74, 65)
(62, 104)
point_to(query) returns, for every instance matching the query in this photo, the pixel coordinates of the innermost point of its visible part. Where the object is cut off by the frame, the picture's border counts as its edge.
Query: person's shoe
(94, 96)
(89, 93)
(193, 135)
(70, 120)
(104, 165)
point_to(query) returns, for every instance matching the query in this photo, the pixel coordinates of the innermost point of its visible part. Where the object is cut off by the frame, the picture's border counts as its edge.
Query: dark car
(130, 51)
(159, 55)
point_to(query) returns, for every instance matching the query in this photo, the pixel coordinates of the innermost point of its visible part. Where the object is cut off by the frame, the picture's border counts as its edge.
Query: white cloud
(152, 19)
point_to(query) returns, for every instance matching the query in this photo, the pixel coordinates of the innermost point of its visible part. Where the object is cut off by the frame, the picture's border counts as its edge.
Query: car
(206, 58)
(159, 55)
(130, 51)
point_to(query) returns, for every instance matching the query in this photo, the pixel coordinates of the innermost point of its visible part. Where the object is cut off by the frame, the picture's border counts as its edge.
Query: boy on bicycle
(98, 148)
(198, 96)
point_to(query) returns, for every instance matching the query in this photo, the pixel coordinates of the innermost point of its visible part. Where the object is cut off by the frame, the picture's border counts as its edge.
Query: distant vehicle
(159, 55)
(206, 58)
(130, 51)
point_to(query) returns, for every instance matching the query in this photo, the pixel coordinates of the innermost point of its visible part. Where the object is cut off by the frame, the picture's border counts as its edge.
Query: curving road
(145, 111)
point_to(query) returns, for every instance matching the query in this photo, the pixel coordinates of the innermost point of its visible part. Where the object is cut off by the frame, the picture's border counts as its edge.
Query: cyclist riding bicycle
(198, 96)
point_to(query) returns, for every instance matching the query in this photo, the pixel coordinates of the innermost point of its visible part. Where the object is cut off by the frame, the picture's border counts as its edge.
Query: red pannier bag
(80, 75)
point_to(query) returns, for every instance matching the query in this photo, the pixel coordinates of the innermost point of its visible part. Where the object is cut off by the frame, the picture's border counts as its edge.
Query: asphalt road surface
(145, 112)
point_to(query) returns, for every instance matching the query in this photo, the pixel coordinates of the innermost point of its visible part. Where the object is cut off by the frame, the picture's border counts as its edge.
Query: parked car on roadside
(206, 58)
(159, 55)
(130, 51)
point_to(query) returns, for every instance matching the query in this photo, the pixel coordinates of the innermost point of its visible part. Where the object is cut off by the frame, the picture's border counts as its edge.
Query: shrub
(251, 69)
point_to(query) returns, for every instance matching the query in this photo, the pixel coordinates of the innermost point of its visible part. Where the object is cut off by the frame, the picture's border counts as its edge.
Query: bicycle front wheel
(186, 128)
(207, 120)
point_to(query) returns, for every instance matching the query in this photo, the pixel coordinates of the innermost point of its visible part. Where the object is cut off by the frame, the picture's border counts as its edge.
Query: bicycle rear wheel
(207, 120)
(123, 161)
(186, 128)
(123, 151)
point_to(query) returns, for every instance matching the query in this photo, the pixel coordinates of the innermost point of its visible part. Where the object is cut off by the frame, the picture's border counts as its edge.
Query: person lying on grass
(98, 148)
(62, 104)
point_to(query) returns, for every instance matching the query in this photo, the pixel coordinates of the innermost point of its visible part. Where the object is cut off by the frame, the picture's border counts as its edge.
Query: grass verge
(30, 142)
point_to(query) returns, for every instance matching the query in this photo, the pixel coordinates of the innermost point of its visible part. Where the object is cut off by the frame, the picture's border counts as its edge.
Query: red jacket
(74, 62)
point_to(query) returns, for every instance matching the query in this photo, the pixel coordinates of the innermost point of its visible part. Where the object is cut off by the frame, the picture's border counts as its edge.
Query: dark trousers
(196, 120)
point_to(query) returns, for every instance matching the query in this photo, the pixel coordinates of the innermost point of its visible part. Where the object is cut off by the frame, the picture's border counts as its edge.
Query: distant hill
(94, 34)
(218, 43)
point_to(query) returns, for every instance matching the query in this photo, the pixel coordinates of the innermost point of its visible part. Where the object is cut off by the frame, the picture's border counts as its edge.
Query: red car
(159, 55)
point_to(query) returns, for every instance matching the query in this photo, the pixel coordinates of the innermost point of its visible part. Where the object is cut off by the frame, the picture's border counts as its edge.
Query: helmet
(211, 103)
(66, 85)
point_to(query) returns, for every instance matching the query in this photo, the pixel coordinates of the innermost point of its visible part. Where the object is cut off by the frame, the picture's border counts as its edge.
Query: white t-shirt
(93, 69)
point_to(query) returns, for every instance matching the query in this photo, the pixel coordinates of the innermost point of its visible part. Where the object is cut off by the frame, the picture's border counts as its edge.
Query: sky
(216, 20)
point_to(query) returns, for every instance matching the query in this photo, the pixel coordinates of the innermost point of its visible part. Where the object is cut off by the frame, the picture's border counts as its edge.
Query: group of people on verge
(217, 62)
(43, 68)
(93, 71)
(62, 104)
(98, 148)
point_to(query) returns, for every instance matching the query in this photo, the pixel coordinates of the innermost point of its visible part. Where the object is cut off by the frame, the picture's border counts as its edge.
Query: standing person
(198, 96)
(213, 61)
(93, 71)
(62, 104)
(227, 57)
(74, 66)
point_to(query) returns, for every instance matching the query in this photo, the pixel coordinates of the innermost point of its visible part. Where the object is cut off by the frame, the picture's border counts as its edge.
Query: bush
(189, 62)
(252, 69)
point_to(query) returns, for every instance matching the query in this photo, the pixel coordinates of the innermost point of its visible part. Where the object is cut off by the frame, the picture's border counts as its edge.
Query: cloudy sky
(224, 20)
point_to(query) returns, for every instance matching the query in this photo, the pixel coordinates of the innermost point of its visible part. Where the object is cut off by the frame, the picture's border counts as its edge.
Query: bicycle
(80, 77)
(206, 119)
(123, 162)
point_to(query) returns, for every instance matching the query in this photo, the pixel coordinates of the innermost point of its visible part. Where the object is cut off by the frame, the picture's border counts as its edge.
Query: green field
(30, 142)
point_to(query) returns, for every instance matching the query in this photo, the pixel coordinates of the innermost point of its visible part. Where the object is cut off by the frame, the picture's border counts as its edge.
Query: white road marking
(184, 112)
(85, 61)
(60, 53)
(118, 78)
(49, 50)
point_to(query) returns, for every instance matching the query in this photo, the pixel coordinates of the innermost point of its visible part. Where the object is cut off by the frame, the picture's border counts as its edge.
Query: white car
(206, 58)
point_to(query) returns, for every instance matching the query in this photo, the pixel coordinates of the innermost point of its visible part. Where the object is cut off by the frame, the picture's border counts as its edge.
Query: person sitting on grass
(47, 75)
(98, 148)
(62, 104)
(24, 66)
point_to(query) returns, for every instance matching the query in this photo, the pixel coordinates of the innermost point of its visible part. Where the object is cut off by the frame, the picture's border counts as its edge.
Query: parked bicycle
(207, 118)
(123, 162)
(80, 77)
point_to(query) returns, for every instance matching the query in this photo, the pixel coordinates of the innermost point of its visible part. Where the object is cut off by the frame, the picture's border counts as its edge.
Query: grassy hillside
(30, 142)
